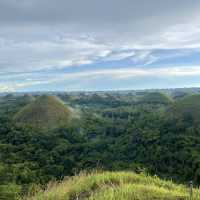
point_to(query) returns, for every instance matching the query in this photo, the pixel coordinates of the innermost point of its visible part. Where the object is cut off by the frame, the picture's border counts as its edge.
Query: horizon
(96, 91)
(99, 46)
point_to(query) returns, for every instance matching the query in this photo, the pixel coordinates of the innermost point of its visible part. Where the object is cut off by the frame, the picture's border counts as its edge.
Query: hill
(115, 186)
(28, 98)
(188, 107)
(155, 98)
(44, 112)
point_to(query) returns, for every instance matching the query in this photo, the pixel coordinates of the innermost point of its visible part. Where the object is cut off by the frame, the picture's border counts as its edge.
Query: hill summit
(44, 112)
(155, 98)
(115, 186)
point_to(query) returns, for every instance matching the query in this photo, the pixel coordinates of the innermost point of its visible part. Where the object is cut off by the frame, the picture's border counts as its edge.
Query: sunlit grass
(115, 186)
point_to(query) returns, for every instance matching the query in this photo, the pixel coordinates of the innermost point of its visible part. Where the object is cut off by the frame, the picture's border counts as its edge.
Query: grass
(114, 186)
(45, 112)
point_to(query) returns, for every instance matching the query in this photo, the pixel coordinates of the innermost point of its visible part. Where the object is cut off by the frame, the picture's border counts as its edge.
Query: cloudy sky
(99, 44)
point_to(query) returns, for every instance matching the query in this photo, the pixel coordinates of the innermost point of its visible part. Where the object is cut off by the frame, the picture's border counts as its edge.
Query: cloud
(126, 73)
(122, 74)
(38, 36)
(60, 50)
(92, 11)
(45, 54)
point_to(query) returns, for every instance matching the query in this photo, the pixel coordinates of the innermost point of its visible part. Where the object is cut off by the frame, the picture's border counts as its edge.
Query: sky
(77, 45)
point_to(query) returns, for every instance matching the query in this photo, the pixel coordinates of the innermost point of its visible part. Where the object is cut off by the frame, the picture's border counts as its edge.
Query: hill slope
(115, 186)
(188, 106)
(155, 98)
(44, 112)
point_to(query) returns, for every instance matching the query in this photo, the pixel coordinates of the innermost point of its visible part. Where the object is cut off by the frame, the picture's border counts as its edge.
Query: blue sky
(99, 45)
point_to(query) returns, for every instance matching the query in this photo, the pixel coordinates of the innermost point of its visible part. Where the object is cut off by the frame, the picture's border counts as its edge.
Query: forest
(155, 132)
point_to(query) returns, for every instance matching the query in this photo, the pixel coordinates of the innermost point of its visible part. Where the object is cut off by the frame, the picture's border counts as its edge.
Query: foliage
(124, 134)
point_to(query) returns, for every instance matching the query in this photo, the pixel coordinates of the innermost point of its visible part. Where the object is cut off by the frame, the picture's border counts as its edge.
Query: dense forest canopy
(157, 132)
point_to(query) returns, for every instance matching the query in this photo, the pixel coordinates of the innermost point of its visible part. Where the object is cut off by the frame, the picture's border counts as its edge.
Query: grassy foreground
(115, 186)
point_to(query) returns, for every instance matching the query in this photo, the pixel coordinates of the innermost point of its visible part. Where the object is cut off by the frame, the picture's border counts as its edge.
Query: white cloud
(6, 88)
(122, 74)
(58, 50)
(45, 54)
(125, 73)
(45, 35)
(12, 86)
(120, 55)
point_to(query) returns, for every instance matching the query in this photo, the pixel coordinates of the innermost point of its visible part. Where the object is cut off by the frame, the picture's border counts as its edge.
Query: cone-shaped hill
(44, 112)
(188, 106)
(28, 98)
(155, 98)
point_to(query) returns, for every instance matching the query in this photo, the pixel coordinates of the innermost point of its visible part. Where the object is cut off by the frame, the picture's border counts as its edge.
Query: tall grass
(114, 186)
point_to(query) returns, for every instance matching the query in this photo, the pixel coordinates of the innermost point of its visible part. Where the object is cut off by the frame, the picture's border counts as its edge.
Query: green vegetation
(44, 112)
(155, 98)
(188, 107)
(115, 186)
(116, 132)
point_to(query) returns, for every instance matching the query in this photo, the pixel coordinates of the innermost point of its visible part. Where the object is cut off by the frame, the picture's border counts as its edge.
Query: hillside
(188, 106)
(45, 112)
(115, 186)
(155, 98)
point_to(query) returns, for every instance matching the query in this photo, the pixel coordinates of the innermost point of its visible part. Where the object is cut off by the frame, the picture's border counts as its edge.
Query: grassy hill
(28, 98)
(155, 98)
(115, 186)
(44, 112)
(189, 106)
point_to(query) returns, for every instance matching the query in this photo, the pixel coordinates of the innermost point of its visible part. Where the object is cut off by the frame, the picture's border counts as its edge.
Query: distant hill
(115, 186)
(176, 95)
(188, 106)
(155, 98)
(12, 103)
(44, 112)
(28, 98)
